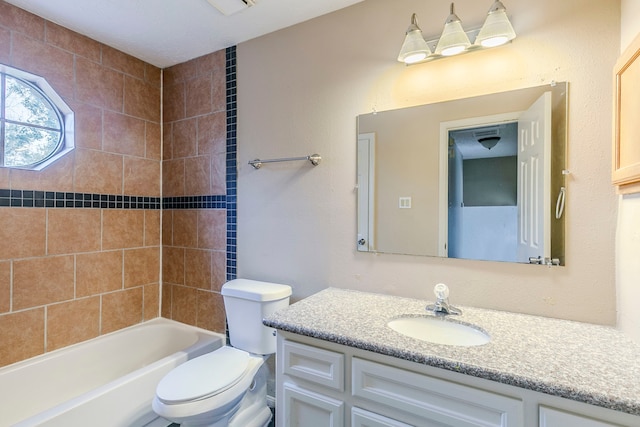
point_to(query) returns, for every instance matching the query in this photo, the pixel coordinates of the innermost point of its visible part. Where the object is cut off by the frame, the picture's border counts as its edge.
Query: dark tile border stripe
(232, 170)
(58, 199)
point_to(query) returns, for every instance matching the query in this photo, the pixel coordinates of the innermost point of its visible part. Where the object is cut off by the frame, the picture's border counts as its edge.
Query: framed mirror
(475, 178)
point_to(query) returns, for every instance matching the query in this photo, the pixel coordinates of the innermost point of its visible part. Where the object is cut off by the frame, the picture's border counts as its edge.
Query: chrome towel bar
(313, 158)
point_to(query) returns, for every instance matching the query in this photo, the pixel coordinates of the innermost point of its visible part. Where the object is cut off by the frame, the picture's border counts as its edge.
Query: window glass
(33, 120)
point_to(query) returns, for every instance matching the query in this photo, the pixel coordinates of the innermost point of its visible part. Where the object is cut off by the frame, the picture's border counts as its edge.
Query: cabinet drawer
(433, 399)
(362, 418)
(304, 408)
(313, 364)
(550, 417)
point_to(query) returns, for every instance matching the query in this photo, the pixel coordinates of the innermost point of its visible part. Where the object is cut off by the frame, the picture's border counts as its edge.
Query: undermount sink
(439, 330)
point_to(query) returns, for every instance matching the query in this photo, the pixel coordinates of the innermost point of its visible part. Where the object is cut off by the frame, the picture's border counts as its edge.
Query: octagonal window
(36, 125)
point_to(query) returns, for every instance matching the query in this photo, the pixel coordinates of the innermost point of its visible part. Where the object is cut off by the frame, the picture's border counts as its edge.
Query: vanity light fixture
(496, 31)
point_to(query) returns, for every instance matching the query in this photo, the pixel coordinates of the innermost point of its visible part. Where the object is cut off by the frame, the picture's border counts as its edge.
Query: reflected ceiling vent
(229, 7)
(488, 137)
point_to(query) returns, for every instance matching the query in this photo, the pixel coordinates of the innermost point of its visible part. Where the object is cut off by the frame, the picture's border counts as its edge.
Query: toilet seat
(204, 376)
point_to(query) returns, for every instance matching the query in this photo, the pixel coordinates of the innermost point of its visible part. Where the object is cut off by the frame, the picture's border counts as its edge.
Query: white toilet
(228, 387)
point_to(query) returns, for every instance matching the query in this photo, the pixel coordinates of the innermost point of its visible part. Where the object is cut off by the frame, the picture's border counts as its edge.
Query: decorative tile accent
(58, 199)
(232, 171)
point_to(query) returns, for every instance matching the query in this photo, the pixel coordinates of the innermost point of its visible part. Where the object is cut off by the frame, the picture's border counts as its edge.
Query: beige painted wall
(628, 230)
(300, 90)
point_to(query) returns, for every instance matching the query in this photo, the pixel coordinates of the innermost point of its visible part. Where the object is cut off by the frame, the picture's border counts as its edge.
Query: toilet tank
(246, 303)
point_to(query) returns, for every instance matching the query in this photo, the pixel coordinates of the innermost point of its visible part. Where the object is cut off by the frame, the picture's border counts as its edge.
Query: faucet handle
(441, 291)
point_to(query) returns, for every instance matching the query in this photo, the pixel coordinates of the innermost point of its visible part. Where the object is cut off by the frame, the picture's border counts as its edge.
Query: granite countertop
(594, 364)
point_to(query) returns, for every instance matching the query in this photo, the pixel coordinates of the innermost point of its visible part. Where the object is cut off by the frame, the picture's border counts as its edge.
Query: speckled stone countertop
(594, 364)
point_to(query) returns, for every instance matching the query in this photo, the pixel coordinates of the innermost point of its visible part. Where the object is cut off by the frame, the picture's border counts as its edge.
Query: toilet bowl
(209, 390)
(228, 387)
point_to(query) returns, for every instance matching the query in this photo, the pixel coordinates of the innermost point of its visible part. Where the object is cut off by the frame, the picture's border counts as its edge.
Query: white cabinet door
(550, 417)
(304, 408)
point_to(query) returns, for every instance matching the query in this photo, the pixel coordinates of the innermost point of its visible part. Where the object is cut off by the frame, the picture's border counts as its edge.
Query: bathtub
(107, 381)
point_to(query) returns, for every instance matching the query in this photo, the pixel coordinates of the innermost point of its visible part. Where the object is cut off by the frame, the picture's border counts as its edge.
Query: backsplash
(80, 241)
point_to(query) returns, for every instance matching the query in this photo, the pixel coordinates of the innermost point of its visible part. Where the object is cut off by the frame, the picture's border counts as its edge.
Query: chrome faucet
(441, 306)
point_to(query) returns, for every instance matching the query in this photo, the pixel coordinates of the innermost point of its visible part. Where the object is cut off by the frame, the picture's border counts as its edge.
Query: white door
(534, 181)
(366, 191)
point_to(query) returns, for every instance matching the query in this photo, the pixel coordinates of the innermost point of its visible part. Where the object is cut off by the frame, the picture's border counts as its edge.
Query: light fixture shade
(497, 28)
(414, 48)
(453, 40)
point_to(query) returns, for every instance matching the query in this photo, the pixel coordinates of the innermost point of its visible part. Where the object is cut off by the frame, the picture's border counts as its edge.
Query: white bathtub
(107, 381)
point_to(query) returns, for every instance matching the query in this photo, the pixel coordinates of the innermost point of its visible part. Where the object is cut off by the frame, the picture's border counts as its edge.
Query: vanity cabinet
(323, 384)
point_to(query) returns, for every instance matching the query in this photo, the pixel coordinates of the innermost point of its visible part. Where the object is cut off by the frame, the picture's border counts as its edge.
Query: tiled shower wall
(80, 241)
(199, 189)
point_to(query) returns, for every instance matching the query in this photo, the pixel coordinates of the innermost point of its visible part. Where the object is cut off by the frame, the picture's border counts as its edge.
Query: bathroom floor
(271, 424)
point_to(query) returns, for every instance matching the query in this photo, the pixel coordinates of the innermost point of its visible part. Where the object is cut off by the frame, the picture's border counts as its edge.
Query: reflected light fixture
(489, 142)
(496, 31)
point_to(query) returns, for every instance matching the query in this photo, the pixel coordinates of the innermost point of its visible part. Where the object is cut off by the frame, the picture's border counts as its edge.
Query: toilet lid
(203, 376)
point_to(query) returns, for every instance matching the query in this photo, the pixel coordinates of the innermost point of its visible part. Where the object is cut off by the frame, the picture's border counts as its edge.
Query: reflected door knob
(361, 242)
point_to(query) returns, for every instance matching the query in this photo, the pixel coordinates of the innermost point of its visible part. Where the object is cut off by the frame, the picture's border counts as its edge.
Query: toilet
(228, 387)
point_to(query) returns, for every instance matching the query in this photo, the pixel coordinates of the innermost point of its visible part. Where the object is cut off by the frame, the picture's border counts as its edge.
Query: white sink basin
(439, 331)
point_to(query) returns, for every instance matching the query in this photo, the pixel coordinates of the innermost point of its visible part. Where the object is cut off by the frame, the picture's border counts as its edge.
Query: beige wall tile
(142, 99)
(218, 269)
(123, 134)
(5, 46)
(167, 141)
(120, 61)
(22, 21)
(173, 102)
(212, 229)
(197, 176)
(152, 74)
(167, 227)
(180, 72)
(173, 178)
(153, 141)
(21, 334)
(25, 226)
(58, 176)
(198, 96)
(173, 265)
(40, 281)
(71, 41)
(184, 305)
(152, 227)
(212, 134)
(122, 228)
(219, 173)
(36, 57)
(72, 322)
(211, 314)
(185, 228)
(121, 309)
(73, 230)
(184, 138)
(151, 301)
(166, 292)
(141, 266)
(98, 85)
(98, 272)
(98, 172)
(5, 286)
(197, 268)
(141, 176)
(213, 63)
(88, 122)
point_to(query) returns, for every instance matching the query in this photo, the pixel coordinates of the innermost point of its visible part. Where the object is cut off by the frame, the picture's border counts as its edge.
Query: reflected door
(534, 182)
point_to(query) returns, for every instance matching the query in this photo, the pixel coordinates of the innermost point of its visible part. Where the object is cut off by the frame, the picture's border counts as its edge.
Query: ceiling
(467, 141)
(169, 32)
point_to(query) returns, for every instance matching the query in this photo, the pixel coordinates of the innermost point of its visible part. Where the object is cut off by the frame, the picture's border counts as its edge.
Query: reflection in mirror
(474, 178)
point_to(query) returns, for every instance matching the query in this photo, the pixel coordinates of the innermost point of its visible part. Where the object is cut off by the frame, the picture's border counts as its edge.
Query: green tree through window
(33, 121)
